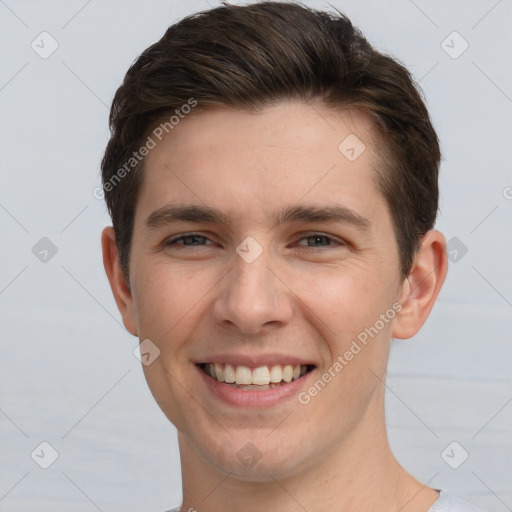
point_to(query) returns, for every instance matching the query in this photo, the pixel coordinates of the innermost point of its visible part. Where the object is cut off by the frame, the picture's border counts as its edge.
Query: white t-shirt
(449, 503)
(445, 503)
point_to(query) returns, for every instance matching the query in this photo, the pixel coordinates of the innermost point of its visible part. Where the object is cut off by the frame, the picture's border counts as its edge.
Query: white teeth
(219, 372)
(288, 373)
(262, 376)
(276, 374)
(243, 375)
(229, 374)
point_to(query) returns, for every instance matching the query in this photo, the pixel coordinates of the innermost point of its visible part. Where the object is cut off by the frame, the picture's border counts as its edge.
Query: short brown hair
(247, 57)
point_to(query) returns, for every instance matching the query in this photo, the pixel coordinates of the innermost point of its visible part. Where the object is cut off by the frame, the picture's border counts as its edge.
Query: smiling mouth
(260, 378)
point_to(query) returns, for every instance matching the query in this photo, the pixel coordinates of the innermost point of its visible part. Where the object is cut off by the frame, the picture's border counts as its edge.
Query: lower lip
(250, 398)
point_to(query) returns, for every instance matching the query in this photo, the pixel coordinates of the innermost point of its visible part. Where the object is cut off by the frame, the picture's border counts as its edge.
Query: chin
(256, 460)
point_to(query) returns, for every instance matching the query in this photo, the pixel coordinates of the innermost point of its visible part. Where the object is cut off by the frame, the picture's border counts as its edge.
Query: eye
(189, 240)
(320, 240)
(312, 240)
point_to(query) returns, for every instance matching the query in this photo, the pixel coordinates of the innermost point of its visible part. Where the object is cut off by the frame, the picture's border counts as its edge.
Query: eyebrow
(206, 214)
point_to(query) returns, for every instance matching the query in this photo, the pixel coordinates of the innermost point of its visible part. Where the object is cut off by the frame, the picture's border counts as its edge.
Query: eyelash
(172, 241)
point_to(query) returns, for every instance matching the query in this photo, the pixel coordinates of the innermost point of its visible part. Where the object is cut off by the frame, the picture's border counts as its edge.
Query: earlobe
(421, 288)
(120, 288)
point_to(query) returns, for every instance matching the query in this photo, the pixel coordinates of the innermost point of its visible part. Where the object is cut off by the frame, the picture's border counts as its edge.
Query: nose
(253, 297)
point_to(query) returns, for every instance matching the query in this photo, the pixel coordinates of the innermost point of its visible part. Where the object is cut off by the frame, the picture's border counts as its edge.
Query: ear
(421, 288)
(118, 284)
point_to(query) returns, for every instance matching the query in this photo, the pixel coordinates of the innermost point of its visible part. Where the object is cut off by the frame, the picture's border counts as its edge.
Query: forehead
(248, 161)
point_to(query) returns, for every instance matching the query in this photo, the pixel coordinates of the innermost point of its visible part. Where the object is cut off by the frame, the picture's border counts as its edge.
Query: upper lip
(254, 361)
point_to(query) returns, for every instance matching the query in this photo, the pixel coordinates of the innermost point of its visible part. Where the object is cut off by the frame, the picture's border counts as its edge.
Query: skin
(201, 299)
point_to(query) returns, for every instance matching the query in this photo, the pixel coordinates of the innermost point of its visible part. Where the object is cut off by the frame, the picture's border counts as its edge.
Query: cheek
(344, 301)
(347, 312)
(165, 298)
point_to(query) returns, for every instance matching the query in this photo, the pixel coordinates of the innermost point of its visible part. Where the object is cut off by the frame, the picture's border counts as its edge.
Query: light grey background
(68, 375)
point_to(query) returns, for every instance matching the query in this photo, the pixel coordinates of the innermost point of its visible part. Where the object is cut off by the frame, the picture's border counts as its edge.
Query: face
(260, 243)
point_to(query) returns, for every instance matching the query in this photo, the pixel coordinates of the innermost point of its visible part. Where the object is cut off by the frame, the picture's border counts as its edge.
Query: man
(272, 182)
